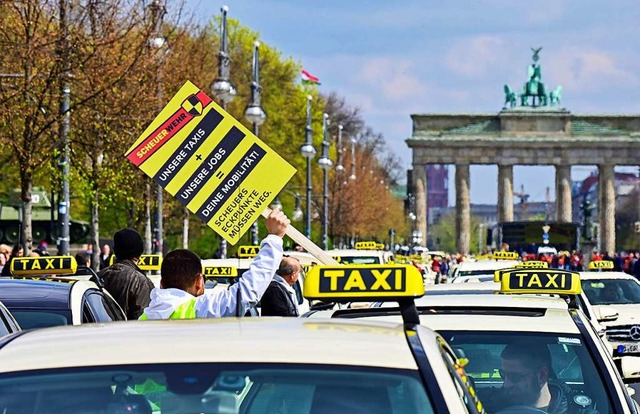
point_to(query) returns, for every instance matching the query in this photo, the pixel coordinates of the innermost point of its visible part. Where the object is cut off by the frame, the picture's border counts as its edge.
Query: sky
(396, 58)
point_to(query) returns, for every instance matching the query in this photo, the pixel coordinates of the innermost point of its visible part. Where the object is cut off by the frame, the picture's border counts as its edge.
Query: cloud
(474, 57)
(589, 70)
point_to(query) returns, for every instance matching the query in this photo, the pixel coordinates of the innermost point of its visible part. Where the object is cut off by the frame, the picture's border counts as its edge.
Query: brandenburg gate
(532, 129)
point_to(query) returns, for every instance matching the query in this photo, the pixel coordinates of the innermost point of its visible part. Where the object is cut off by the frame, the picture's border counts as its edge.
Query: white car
(480, 326)
(480, 271)
(615, 297)
(249, 366)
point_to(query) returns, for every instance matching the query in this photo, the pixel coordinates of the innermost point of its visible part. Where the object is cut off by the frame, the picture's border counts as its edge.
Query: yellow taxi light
(248, 251)
(366, 245)
(363, 282)
(539, 264)
(379, 246)
(540, 281)
(219, 271)
(601, 264)
(46, 265)
(506, 255)
(484, 256)
(150, 262)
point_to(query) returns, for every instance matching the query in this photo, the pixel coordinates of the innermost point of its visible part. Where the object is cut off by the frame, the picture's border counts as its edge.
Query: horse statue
(534, 88)
(555, 96)
(510, 97)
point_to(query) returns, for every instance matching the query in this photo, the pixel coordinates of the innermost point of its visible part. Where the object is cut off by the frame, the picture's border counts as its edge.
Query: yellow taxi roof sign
(539, 264)
(601, 264)
(366, 245)
(540, 281)
(363, 282)
(45, 265)
(150, 262)
(506, 255)
(380, 246)
(219, 271)
(248, 251)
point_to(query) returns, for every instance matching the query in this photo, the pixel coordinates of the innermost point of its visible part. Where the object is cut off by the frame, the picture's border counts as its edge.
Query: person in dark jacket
(530, 385)
(280, 298)
(17, 251)
(124, 280)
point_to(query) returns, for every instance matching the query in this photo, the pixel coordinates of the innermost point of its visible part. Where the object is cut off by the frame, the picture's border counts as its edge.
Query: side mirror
(605, 313)
(630, 368)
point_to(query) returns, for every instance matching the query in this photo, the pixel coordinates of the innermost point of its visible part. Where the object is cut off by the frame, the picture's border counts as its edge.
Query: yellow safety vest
(185, 311)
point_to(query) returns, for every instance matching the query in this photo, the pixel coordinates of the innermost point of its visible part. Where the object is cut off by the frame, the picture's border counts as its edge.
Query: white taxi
(615, 297)
(254, 365)
(483, 270)
(488, 329)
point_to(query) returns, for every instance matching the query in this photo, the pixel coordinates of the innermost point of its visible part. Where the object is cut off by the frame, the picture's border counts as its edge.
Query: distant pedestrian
(16, 251)
(105, 256)
(280, 298)
(124, 280)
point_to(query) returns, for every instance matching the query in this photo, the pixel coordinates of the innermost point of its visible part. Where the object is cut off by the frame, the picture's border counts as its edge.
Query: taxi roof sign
(601, 264)
(363, 282)
(146, 262)
(45, 265)
(539, 264)
(540, 281)
(150, 262)
(248, 251)
(506, 255)
(219, 271)
(366, 245)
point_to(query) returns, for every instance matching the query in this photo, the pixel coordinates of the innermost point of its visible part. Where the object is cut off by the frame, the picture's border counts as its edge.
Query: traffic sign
(210, 162)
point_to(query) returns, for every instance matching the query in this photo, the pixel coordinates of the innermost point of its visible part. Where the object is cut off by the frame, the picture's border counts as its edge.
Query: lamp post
(308, 151)
(325, 163)
(222, 87)
(63, 132)
(339, 166)
(157, 42)
(352, 177)
(256, 115)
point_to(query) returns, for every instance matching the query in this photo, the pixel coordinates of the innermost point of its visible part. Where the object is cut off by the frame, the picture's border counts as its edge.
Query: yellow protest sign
(210, 162)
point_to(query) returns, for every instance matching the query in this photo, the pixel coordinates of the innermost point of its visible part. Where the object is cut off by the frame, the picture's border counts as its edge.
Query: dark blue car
(38, 303)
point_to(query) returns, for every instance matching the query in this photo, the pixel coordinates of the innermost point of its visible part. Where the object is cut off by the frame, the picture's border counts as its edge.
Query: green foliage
(445, 231)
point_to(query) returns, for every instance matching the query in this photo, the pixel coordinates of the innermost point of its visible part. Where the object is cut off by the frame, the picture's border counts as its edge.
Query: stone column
(420, 188)
(463, 208)
(505, 192)
(607, 209)
(563, 194)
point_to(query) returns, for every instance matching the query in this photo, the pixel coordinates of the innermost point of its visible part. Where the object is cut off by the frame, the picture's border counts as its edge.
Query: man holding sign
(182, 295)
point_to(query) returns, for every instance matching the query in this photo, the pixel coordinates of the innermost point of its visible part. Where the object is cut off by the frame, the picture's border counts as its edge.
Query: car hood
(627, 315)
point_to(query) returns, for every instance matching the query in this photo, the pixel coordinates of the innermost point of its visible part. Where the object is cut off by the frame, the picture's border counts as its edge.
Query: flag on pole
(309, 79)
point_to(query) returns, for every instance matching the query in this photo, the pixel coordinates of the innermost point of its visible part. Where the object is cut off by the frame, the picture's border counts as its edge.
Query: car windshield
(515, 370)
(611, 291)
(41, 318)
(479, 272)
(359, 260)
(214, 388)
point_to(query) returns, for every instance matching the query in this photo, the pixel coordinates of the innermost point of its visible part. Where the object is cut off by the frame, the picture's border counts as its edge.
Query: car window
(611, 291)
(219, 388)
(30, 319)
(359, 260)
(99, 307)
(464, 385)
(4, 325)
(492, 357)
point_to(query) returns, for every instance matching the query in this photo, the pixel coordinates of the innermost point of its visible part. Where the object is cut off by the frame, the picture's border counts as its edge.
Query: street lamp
(298, 214)
(256, 115)
(352, 177)
(325, 163)
(158, 42)
(339, 167)
(222, 87)
(308, 151)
